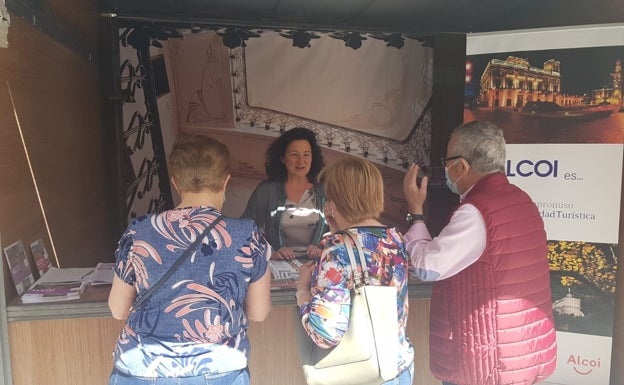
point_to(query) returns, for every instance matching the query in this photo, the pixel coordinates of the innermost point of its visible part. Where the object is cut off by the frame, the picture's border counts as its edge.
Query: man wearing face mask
(491, 312)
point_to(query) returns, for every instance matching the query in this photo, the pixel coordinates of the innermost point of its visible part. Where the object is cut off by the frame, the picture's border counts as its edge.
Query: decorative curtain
(375, 89)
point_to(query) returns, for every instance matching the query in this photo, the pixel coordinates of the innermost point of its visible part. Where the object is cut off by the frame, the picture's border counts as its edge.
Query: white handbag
(368, 352)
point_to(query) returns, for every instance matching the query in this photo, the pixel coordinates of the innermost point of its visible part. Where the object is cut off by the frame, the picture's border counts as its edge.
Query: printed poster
(40, 256)
(19, 266)
(558, 97)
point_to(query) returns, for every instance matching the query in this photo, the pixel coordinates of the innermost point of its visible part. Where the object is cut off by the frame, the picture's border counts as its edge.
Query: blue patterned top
(326, 317)
(195, 323)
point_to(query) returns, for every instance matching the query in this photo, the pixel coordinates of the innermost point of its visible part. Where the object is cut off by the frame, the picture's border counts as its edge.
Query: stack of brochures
(284, 273)
(53, 292)
(58, 285)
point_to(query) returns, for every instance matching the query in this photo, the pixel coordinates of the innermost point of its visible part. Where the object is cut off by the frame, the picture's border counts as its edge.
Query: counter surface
(79, 336)
(93, 304)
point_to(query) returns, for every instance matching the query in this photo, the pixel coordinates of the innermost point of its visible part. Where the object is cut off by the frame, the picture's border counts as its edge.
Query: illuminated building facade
(513, 82)
(611, 95)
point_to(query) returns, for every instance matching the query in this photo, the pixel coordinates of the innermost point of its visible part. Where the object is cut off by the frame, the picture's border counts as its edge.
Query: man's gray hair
(482, 144)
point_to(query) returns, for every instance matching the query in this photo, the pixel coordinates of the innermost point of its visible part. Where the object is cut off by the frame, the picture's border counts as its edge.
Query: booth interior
(92, 100)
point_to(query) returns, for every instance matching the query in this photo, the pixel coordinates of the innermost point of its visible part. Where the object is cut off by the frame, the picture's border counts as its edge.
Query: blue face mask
(451, 185)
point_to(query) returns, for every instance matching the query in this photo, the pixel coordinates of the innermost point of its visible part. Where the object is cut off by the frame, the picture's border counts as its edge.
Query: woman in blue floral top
(193, 329)
(354, 190)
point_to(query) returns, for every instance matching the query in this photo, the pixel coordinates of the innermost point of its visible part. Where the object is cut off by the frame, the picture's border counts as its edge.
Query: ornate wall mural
(200, 68)
(373, 102)
(374, 89)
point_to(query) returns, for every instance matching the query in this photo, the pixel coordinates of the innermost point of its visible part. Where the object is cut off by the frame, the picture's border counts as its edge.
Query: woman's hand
(314, 252)
(283, 253)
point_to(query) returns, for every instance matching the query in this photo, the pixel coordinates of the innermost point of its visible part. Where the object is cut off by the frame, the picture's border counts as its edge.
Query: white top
(460, 243)
(298, 223)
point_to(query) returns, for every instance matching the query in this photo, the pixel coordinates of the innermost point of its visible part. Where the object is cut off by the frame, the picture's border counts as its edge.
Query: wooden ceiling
(407, 16)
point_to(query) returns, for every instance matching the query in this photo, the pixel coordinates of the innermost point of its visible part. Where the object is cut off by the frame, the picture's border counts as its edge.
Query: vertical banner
(557, 95)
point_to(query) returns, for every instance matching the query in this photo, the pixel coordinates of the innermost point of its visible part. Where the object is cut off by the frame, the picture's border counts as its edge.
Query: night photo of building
(576, 93)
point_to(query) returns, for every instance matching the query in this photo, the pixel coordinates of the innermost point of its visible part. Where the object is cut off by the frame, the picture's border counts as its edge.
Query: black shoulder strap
(173, 268)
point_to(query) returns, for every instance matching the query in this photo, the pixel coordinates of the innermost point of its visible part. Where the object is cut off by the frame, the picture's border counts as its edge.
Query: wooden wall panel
(418, 332)
(79, 15)
(68, 352)
(79, 351)
(275, 358)
(58, 103)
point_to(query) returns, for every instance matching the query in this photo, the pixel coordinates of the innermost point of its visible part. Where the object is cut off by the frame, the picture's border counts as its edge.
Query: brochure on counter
(284, 273)
(58, 285)
(67, 284)
(53, 292)
(102, 274)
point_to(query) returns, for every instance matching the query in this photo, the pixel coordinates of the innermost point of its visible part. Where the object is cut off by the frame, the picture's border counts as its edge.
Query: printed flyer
(19, 266)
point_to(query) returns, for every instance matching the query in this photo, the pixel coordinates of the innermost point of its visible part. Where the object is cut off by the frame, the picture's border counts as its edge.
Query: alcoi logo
(581, 365)
(541, 168)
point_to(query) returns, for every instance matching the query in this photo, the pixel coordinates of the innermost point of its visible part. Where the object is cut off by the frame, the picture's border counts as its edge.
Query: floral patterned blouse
(195, 323)
(326, 317)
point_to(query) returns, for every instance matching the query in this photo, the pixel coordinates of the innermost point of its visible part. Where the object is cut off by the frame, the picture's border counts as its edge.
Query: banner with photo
(557, 94)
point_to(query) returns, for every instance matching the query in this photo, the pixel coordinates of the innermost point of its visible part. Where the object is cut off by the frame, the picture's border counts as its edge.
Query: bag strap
(359, 278)
(177, 263)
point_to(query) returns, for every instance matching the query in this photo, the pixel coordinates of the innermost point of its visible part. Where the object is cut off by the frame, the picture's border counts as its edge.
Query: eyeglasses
(443, 159)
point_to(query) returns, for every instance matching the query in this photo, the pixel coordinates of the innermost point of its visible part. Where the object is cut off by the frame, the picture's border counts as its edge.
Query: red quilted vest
(492, 323)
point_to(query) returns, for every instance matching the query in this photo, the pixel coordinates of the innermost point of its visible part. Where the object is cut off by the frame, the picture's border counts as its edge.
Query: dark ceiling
(408, 16)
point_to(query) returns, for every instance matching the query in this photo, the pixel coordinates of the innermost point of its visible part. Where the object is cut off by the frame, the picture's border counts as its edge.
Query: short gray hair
(482, 144)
